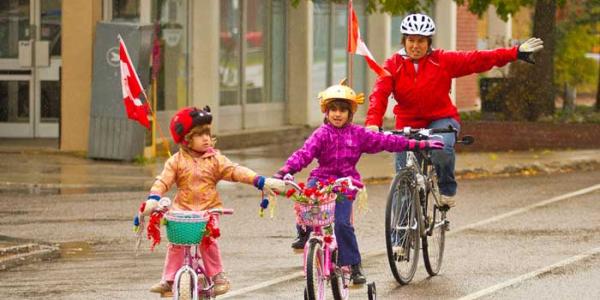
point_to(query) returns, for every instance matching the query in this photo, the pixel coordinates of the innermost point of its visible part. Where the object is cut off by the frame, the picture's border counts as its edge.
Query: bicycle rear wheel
(402, 228)
(339, 285)
(315, 281)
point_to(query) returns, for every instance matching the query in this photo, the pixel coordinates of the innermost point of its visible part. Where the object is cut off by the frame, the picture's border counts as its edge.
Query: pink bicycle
(315, 208)
(188, 228)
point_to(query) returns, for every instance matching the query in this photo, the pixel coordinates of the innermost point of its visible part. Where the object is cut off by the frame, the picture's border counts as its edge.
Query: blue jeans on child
(348, 253)
(443, 160)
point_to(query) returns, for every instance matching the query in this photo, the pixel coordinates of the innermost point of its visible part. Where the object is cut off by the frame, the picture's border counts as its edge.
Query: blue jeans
(443, 160)
(348, 253)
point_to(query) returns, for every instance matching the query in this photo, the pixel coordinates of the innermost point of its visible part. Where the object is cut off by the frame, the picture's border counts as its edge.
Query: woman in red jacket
(420, 82)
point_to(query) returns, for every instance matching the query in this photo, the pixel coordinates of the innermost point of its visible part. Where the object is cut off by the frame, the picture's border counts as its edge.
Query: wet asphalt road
(98, 263)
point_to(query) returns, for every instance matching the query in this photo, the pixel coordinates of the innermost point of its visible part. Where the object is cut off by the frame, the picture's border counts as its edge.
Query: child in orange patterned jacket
(196, 169)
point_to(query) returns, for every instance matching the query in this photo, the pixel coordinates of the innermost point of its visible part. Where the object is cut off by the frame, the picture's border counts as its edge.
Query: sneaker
(357, 276)
(300, 241)
(221, 284)
(165, 289)
(447, 201)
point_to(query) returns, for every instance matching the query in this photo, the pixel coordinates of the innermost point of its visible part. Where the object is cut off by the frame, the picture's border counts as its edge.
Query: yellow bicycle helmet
(343, 92)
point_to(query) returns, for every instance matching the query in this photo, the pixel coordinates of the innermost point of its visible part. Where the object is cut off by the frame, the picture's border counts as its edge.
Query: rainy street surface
(511, 238)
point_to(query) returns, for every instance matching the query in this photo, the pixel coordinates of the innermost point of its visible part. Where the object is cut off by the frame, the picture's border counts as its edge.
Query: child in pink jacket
(196, 169)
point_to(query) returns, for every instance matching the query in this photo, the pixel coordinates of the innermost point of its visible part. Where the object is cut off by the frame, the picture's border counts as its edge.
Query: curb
(14, 256)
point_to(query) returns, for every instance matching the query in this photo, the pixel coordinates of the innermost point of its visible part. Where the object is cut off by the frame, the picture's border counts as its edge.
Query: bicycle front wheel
(339, 283)
(435, 234)
(185, 288)
(402, 228)
(315, 280)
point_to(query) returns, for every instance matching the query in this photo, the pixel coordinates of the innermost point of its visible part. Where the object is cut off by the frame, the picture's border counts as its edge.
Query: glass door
(29, 68)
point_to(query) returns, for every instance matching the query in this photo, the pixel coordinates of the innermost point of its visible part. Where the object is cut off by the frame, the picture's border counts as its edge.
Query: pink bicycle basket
(322, 214)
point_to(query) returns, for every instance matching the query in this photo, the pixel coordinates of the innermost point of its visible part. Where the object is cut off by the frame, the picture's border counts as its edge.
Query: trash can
(111, 134)
(492, 99)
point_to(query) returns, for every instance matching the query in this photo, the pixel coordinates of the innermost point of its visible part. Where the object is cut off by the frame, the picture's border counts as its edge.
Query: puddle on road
(75, 249)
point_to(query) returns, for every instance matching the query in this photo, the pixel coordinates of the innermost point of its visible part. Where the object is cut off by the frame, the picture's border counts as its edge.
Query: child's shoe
(357, 276)
(298, 243)
(165, 289)
(221, 284)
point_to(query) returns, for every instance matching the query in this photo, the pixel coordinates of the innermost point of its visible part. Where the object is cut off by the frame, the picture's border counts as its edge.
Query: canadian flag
(357, 46)
(132, 88)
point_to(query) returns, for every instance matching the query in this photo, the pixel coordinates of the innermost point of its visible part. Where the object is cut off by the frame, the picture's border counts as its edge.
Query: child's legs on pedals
(344, 234)
(211, 257)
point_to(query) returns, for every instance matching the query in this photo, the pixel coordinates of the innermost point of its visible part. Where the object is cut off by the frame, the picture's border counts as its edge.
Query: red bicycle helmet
(186, 119)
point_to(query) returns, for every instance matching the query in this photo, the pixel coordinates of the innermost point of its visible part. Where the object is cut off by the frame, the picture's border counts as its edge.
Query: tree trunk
(544, 22)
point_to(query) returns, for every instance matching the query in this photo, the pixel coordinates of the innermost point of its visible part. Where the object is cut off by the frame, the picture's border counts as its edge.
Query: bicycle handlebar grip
(227, 211)
(449, 129)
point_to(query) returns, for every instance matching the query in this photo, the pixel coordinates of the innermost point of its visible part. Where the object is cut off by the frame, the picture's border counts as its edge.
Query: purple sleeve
(374, 142)
(305, 155)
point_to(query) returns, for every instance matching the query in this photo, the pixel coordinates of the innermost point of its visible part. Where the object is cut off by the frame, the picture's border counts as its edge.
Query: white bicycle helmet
(419, 24)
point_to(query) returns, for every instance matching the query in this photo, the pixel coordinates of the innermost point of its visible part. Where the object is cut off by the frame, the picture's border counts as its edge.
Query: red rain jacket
(423, 97)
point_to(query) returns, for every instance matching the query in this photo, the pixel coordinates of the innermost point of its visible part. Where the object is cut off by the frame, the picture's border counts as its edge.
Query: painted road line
(380, 252)
(528, 208)
(530, 275)
(261, 285)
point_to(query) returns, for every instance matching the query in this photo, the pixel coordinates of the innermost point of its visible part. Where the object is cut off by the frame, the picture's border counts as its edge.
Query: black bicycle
(413, 215)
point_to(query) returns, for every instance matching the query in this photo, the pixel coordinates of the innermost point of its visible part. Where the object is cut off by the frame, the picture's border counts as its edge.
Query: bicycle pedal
(447, 225)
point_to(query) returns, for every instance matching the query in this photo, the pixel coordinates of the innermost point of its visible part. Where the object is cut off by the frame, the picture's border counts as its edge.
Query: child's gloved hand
(151, 203)
(274, 186)
(425, 145)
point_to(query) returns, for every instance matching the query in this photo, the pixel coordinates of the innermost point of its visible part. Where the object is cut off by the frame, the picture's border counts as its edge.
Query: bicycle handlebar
(426, 133)
(220, 211)
(166, 202)
(352, 183)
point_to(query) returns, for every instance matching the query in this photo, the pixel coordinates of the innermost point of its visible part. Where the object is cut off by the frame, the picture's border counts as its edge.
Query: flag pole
(350, 36)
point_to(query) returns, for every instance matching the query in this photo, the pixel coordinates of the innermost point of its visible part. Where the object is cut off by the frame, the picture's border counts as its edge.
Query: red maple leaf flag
(132, 88)
(357, 46)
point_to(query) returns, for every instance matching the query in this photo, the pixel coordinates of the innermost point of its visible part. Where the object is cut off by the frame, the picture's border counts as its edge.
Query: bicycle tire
(338, 286)
(435, 238)
(184, 290)
(403, 267)
(315, 281)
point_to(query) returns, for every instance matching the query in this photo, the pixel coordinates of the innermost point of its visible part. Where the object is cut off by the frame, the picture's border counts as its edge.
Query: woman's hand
(529, 47)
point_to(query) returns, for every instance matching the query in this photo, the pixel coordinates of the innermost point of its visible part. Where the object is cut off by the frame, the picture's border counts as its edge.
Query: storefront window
(50, 29)
(126, 10)
(170, 57)
(229, 52)
(321, 44)
(330, 38)
(264, 43)
(14, 26)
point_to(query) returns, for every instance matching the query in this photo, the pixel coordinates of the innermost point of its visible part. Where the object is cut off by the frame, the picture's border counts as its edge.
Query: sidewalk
(27, 169)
